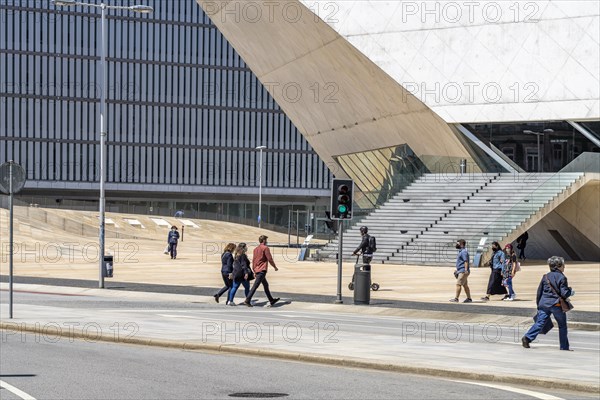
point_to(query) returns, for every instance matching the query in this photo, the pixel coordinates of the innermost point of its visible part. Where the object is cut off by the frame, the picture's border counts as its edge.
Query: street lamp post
(539, 155)
(142, 9)
(261, 148)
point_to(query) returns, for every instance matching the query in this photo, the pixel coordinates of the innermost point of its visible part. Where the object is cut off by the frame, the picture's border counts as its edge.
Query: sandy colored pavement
(53, 249)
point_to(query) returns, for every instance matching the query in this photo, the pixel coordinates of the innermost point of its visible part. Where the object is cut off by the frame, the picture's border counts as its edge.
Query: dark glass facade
(545, 146)
(185, 113)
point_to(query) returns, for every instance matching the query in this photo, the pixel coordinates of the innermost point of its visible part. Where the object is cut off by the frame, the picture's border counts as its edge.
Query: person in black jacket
(553, 285)
(172, 240)
(364, 246)
(226, 270)
(241, 272)
(521, 244)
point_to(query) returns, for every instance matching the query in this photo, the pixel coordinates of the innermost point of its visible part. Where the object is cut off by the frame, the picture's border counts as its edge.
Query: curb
(346, 308)
(325, 360)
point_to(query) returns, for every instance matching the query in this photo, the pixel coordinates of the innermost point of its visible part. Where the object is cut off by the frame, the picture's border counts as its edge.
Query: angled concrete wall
(339, 99)
(577, 221)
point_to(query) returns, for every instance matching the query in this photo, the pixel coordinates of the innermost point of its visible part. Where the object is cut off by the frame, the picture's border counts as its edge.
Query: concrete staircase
(407, 215)
(421, 224)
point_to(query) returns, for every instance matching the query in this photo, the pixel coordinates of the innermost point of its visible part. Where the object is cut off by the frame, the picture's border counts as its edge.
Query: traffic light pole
(339, 300)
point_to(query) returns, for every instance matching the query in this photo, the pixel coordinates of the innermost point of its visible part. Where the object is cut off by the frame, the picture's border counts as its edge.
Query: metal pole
(539, 154)
(10, 240)
(103, 130)
(289, 228)
(297, 228)
(340, 247)
(260, 190)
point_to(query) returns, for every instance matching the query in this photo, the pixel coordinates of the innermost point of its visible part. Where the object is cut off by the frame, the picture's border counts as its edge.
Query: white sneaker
(510, 299)
(232, 304)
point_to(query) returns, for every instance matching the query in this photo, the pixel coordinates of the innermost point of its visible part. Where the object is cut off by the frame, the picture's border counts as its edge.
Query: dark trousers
(261, 277)
(522, 252)
(173, 250)
(561, 318)
(227, 283)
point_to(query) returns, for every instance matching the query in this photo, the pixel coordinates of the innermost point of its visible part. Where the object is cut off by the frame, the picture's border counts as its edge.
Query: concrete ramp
(189, 223)
(134, 222)
(160, 222)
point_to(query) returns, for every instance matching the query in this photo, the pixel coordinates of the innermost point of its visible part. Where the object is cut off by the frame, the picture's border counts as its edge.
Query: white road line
(537, 395)
(16, 391)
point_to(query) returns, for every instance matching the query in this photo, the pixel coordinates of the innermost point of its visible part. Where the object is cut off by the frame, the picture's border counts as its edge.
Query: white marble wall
(482, 61)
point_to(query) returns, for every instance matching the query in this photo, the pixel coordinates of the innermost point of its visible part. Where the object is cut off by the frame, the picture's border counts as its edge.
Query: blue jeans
(511, 292)
(173, 249)
(561, 318)
(235, 286)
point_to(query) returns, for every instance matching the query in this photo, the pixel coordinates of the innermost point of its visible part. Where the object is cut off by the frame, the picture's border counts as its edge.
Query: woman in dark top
(226, 269)
(509, 270)
(553, 285)
(241, 271)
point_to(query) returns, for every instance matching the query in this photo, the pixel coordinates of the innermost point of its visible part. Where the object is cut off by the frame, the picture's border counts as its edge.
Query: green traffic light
(342, 209)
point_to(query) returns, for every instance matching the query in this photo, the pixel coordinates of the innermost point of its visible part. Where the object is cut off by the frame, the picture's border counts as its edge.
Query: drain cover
(258, 395)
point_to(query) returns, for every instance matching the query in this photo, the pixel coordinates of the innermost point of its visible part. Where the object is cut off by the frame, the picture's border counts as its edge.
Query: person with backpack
(172, 240)
(367, 246)
(226, 270)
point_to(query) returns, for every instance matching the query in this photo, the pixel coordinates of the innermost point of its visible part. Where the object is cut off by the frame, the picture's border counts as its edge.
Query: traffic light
(342, 193)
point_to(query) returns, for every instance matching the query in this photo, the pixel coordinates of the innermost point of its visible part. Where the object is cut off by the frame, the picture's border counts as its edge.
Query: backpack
(372, 244)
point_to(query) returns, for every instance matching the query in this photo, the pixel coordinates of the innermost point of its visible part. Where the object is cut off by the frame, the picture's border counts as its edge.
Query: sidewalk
(344, 335)
(388, 335)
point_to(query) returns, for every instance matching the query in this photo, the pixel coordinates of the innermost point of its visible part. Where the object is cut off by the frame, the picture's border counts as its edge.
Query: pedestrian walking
(226, 269)
(509, 270)
(241, 274)
(261, 259)
(462, 272)
(495, 281)
(521, 244)
(552, 291)
(172, 240)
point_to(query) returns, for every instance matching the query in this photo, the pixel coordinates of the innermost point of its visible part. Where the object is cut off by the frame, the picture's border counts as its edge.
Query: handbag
(456, 274)
(251, 275)
(565, 304)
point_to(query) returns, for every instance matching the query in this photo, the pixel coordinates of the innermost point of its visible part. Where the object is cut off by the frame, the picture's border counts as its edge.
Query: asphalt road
(80, 370)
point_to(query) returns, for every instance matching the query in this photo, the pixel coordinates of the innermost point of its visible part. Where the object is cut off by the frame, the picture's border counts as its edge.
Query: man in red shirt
(260, 264)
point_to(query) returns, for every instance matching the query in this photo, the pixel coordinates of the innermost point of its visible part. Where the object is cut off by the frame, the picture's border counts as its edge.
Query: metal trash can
(362, 284)
(107, 270)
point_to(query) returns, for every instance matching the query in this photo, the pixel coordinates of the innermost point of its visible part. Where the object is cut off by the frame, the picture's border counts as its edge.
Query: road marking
(537, 395)
(16, 391)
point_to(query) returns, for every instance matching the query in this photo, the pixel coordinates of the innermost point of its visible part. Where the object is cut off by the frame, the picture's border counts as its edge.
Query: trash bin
(107, 271)
(362, 284)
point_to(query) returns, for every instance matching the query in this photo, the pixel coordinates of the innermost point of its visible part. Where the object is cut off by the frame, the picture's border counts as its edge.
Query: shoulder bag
(565, 304)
